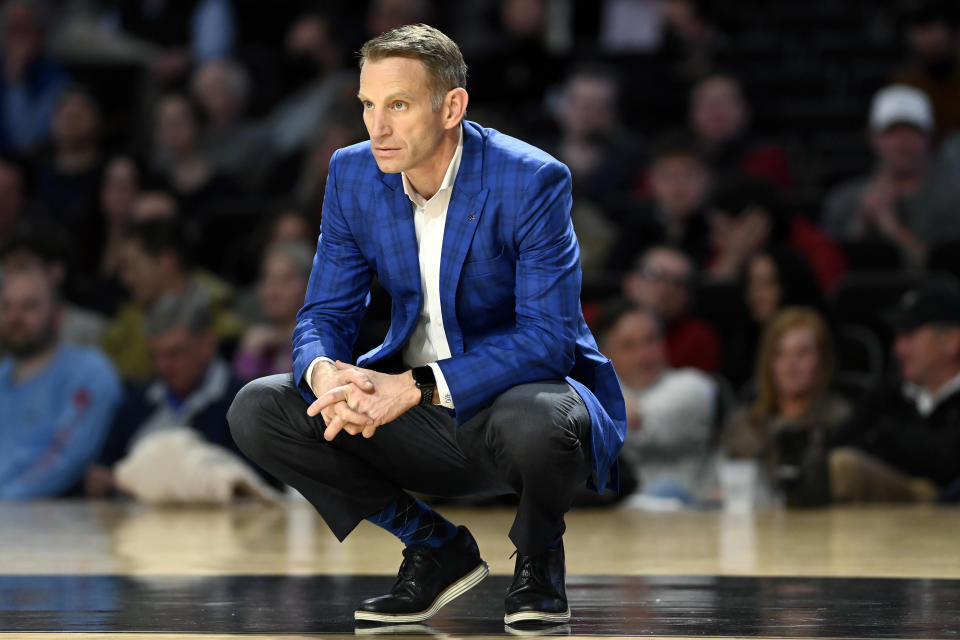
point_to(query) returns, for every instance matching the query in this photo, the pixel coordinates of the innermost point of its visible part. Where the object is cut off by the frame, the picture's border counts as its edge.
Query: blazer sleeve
(337, 292)
(542, 343)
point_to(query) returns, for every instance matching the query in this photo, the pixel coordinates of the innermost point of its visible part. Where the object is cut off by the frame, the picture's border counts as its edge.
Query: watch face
(423, 376)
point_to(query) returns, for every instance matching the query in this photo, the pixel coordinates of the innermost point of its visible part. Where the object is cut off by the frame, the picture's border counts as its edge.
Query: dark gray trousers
(534, 440)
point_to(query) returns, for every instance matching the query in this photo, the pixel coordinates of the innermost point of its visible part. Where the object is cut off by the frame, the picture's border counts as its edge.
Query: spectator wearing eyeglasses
(664, 279)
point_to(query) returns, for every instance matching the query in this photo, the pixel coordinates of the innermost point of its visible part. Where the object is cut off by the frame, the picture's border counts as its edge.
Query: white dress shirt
(925, 401)
(429, 340)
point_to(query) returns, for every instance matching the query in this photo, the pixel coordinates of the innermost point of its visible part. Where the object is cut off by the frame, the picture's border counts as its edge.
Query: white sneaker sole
(412, 628)
(455, 590)
(537, 616)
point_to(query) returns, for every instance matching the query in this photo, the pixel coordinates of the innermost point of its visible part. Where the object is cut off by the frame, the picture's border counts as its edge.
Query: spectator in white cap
(908, 199)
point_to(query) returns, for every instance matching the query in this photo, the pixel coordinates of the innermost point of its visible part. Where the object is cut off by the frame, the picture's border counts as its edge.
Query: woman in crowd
(789, 424)
(771, 280)
(265, 347)
(96, 264)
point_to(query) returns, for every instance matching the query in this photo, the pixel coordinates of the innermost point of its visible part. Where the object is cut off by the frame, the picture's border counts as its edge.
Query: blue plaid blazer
(509, 281)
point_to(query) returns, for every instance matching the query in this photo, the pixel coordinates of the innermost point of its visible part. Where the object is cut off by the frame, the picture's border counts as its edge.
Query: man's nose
(381, 125)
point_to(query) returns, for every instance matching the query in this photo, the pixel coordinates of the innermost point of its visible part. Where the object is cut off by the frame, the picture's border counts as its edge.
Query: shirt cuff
(443, 391)
(308, 376)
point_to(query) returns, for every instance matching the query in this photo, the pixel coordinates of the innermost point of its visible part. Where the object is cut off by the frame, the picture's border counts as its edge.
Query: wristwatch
(424, 379)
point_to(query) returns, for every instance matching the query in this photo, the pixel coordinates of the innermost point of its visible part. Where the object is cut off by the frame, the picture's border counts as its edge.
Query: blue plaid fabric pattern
(509, 280)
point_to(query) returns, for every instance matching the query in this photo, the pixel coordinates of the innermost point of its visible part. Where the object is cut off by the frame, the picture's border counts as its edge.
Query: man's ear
(454, 107)
(208, 342)
(951, 342)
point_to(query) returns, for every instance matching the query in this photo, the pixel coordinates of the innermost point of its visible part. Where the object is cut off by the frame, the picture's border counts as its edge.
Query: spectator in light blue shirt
(56, 401)
(30, 83)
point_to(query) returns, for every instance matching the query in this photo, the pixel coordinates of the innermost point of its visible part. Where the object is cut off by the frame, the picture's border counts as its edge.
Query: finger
(328, 399)
(346, 414)
(333, 428)
(353, 429)
(369, 430)
(349, 373)
(314, 409)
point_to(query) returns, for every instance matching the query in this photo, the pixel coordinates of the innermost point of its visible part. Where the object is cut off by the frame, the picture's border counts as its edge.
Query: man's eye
(398, 106)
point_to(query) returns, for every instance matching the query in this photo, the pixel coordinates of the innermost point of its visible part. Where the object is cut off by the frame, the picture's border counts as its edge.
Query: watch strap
(426, 395)
(425, 380)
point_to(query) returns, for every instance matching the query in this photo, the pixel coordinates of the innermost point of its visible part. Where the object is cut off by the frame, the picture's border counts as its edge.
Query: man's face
(181, 358)
(680, 183)
(22, 34)
(75, 121)
(405, 132)
(282, 287)
(925, 353)
(933, 40)
(215, 90)
(142, 273)
(636, 348)
(901, 147)
(663, 283)
(29, 314)
(589, 106)
(175, 130)
(717, 110)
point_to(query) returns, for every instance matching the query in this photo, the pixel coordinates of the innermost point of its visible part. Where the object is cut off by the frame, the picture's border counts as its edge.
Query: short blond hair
(441, 57)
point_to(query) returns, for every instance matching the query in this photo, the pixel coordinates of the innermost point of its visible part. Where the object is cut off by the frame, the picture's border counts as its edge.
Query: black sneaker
(538, 592)
(429, 578)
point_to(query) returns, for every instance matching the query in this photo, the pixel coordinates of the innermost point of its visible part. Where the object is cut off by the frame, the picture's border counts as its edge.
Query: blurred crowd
(767, 201)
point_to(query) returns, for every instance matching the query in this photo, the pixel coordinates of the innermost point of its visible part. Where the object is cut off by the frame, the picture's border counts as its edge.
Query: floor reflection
(602, 605)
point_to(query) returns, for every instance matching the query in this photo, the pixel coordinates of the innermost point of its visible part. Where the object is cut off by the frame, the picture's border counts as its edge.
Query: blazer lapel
(397, 237)
(396, 231)
(463, 218)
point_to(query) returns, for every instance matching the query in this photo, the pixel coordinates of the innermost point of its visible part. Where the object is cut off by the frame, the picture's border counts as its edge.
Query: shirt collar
(925, 401)
(448, 178)
(214, 382)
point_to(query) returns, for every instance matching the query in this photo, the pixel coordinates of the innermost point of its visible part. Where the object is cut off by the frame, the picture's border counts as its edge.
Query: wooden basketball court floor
(81, 570)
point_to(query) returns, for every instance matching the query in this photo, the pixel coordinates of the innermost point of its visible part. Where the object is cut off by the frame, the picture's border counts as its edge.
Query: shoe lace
(525, 573)
(414, 557)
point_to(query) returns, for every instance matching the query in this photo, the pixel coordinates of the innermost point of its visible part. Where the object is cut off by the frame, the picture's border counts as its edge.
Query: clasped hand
(358, 400)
